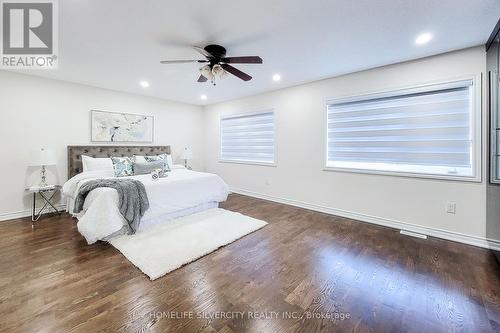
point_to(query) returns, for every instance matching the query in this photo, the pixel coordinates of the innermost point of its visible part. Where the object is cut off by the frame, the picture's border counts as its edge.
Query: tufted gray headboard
(75, 152)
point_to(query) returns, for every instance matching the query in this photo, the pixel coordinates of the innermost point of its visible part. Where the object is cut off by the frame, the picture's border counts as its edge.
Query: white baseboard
(433, 232)
(27, 212)
(412, 234)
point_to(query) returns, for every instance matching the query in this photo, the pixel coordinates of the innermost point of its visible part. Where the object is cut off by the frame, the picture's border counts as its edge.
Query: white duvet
(183, 190)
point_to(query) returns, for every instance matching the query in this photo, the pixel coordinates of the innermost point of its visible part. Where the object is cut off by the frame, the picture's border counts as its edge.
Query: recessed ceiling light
(203, 97)
(423, 38)
(144, 84)
(276, 77)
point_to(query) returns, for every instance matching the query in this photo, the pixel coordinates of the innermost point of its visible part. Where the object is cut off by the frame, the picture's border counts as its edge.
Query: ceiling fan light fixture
(206, 71)
(217, 64)
(217, 71)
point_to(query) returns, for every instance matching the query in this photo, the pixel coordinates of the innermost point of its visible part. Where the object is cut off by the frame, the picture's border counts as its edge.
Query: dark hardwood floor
(305, 271)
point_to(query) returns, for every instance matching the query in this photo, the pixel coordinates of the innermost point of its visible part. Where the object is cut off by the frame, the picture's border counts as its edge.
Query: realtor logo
(29, 34)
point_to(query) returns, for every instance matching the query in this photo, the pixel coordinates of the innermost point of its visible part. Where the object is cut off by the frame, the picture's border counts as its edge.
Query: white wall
(36, 113)
(299, 177)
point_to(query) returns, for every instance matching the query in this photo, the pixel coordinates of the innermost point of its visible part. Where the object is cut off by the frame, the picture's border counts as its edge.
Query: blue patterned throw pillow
(124, 166)
(162, 157)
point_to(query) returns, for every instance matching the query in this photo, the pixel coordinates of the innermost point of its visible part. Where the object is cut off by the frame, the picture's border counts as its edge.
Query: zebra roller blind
(248, 138)
(423, 130)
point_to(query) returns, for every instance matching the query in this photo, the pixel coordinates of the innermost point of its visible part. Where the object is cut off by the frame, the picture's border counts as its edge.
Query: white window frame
(494, 114)
(476, 126)
(253, 113)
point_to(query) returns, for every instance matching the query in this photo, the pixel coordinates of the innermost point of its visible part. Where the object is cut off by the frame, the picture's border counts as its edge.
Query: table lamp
(43, 158)
(186, 155)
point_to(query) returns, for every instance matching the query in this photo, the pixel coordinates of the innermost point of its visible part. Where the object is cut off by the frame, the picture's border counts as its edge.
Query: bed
(182, 193)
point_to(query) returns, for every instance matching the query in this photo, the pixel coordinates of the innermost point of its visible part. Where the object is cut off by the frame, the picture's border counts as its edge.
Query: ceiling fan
(217, 63)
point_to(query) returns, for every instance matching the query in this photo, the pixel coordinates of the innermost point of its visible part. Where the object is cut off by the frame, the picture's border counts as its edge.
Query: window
(248, 138)
(430, 131)
(495, 127)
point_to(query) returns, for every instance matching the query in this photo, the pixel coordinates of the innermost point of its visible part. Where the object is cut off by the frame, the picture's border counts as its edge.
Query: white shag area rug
(168, 246)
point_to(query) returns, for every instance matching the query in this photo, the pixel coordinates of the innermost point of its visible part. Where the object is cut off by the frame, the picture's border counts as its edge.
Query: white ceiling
(116, 43)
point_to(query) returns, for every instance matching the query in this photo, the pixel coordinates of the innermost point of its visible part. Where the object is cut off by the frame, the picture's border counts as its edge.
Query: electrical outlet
(451, 207)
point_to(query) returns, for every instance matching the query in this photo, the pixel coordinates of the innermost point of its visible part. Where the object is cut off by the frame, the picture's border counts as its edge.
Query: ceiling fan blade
(243, 60)
(202, 51)
(180, 61)
(236, 72)
(202, 79)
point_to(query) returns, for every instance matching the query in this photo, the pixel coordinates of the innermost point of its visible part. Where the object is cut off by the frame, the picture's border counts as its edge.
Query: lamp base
(43, 181)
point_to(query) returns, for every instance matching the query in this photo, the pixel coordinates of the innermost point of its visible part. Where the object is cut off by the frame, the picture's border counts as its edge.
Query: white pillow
(97, 164)
(169, 161)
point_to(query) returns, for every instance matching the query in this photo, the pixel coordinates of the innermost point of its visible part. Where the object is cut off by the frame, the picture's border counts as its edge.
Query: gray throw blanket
(133, 200)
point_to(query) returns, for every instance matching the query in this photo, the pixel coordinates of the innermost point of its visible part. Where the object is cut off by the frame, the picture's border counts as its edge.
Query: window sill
(473, 179)
(250, 163)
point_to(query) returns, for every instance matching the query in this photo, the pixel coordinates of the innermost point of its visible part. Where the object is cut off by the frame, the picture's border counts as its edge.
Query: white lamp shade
(187, 154)
(206, 71)
(42, 157)
(218, 71)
